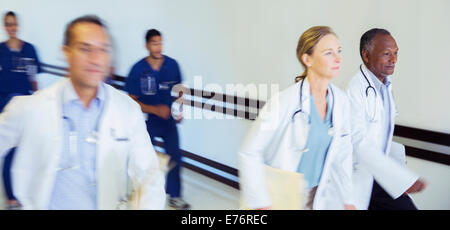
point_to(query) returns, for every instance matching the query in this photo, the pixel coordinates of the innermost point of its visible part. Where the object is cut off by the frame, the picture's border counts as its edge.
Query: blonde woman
(304, 129)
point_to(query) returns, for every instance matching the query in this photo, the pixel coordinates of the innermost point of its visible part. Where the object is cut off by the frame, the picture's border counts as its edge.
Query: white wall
(436, 175)
(254, 41)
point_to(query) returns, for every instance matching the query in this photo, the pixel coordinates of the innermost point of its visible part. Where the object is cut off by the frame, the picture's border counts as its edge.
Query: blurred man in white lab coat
(76, 146)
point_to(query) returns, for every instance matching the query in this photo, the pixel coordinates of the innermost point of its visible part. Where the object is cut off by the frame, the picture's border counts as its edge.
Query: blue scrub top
(313, 161)
(154, 87)
(16, 68)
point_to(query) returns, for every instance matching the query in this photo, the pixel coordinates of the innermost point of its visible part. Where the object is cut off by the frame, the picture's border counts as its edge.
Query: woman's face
(11, 26)
(325, 61)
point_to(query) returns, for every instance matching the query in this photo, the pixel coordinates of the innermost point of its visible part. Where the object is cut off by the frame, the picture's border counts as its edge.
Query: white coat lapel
(111, 174)
(54, 128)
(393, 114)
(104, 128)
(392, 106)
(55, 112)
(336, 119)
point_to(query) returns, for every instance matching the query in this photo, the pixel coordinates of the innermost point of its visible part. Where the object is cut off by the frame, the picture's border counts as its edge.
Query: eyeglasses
(10, 24)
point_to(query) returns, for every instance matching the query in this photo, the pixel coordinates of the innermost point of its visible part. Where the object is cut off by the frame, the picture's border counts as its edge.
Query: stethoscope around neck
(91, 138)
(369, 87)
(304, 116)
(372, 117)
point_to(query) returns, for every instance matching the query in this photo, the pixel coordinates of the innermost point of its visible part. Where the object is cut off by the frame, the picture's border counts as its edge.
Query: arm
(398, 154)
(162, 111)
(146, 178)
(38, 61)
(252, 155)
(132, 86)
(177, 106)
(35, 85)
(180, 89)
(383, 168)
(34, 82)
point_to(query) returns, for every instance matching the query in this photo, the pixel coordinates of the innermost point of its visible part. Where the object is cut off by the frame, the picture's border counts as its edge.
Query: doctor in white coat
(380, 177)
(82, 144)
(304, 129)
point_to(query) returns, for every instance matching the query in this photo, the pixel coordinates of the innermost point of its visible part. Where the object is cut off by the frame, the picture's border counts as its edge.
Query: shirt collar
(69, 94)
(377, 83)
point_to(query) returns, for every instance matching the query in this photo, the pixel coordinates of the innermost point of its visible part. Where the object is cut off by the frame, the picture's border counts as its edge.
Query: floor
(201, 192)
(204, 193)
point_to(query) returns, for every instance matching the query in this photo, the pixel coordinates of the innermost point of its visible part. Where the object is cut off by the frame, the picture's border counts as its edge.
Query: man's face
(381, 61)
(154, 46)
(88, 55)
(11, 26)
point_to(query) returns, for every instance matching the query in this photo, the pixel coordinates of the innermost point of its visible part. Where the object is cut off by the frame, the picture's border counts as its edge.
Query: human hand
(177, 112)
(179, 119)
(418, 186)
(164, 112)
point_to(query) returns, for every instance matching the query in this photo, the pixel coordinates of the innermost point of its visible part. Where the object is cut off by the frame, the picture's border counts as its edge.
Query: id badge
(148, 84)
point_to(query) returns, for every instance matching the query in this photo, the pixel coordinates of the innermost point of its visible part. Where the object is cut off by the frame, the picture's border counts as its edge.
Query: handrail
(399, 130)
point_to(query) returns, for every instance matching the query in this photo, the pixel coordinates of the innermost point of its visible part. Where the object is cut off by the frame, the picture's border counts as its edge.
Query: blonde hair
(307, 42)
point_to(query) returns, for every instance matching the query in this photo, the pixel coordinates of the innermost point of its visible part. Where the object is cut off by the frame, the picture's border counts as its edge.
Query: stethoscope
(305, 116)
(368, 88)
(91, 138)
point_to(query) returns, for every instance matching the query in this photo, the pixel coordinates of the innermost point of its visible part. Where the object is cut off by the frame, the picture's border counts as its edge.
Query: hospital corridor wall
(229, 47)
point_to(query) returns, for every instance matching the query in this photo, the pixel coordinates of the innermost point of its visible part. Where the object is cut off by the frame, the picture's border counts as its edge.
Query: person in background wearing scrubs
(19, 65)
(304, 129)
(150, 83)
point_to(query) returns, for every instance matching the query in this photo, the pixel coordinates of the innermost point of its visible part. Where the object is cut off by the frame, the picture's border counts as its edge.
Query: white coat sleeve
(394, 178)
(251, 155)
(147, 180)
(11, 125)
(398, 153)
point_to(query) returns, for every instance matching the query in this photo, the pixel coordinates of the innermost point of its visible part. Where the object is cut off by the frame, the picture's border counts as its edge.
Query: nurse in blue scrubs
(19, 65)
(150, 83)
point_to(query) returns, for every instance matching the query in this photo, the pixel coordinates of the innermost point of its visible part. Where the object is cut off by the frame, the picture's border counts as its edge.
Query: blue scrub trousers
(6, 172)
(167, 130)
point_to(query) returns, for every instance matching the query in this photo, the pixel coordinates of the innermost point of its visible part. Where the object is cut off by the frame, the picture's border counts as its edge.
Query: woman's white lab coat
(370, 162)
(278, 141)
(126, 161)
